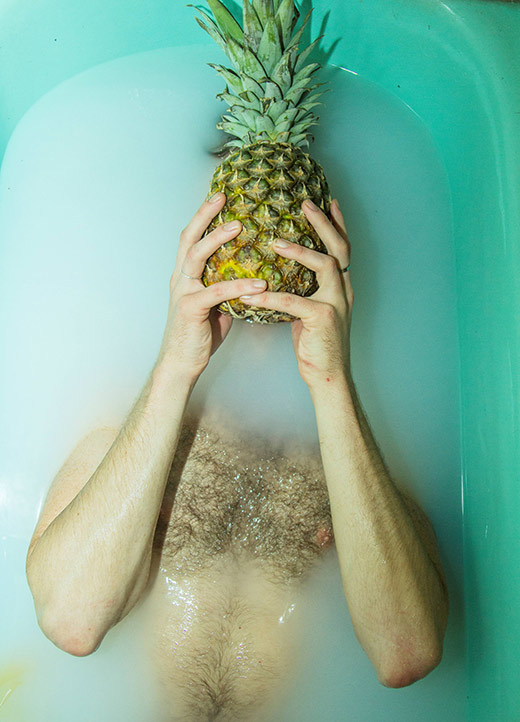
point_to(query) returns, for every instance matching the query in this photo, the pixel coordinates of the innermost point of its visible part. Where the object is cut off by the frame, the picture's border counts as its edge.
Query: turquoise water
(84, 284)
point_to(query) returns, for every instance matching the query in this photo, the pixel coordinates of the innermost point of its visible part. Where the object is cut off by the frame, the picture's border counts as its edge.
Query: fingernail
(259, 284)
(232, 226)
(280, 243)
(215, 197)
(310, 205)
(245, 298)
(336, 202)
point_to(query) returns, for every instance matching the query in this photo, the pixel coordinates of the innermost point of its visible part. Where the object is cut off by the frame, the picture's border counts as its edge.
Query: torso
(239, 529)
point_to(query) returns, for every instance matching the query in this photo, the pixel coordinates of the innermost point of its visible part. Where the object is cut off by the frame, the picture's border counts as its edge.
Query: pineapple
(265, 171)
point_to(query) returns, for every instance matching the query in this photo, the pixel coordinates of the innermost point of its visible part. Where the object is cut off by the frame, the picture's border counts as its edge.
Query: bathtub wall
(459, 69)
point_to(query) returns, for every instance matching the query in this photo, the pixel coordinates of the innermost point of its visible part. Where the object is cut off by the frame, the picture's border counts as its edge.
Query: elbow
(415, 659)
(77, 647)
(404, 672)
(56, 619)
(68, 636)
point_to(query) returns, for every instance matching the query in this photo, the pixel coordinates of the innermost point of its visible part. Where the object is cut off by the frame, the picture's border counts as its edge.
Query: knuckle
(287, 301)
(328, 311)
(219, 290)
(190, 254)
(329, 263)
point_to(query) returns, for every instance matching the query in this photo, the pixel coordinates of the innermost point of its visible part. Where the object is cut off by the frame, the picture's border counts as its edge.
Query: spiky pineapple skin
(265, 184)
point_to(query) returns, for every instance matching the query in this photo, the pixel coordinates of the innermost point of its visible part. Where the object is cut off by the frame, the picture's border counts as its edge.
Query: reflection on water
(11, 677)
(111, 170)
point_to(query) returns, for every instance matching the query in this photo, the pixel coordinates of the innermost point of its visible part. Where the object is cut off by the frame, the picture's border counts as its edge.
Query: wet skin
(239, 530)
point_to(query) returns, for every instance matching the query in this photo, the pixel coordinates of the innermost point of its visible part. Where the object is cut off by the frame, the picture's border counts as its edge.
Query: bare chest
(231, 498)
(239, 528)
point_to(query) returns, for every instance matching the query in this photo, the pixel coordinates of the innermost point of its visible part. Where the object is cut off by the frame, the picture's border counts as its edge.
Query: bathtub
(419, 140)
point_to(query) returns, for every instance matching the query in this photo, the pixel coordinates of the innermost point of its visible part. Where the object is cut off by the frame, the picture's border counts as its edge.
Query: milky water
(98, 180)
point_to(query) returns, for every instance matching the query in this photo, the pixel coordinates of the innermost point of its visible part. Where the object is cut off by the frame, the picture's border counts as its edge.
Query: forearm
(94, 558)
(395, 595)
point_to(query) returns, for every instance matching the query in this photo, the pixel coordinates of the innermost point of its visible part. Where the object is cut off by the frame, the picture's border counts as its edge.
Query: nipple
(324, 537)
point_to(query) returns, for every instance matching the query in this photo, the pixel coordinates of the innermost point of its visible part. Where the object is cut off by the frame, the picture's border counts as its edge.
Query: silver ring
(344, 270)
(192, 278)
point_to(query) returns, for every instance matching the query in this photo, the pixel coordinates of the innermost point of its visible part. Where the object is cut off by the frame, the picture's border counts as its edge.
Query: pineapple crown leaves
(268, 90)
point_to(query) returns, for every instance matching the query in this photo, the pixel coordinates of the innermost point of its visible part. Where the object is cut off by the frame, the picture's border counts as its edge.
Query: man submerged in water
(220, 531)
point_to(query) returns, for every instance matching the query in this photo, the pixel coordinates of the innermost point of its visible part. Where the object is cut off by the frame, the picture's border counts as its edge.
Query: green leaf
(252, 26)
(307, 107)
(231, 99)
(305, 72)
(270, 49)
(289, 115)
(203, 12)
(226, 22)
(286, 18)
(272, 90)
(309, 100)
(252, 101)
(282, 73)
(245, 60)
(295, 95)
(236, 129)
(302, 57)
(300, 127)
(252, 85)
(264, 10)
(300, 89)
(264, 124)
(282, 137)
(283, 127)
(250, 118)
(230, 117)
(233, 144)
(301, 139)
(213, 31)
(276, 109)
(297, 37)
(231, 78)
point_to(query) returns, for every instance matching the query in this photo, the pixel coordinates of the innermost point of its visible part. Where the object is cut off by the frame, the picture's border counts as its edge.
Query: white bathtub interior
(98, 180)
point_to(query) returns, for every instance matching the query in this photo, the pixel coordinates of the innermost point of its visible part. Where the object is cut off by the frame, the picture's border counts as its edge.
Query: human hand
(321, 329)
(194, 327)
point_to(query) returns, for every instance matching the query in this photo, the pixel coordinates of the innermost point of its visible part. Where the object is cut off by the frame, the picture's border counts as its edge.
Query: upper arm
(73, 475)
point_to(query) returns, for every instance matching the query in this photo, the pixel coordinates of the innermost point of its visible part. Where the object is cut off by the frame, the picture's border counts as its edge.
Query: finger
(220, 326)
(201, 302)
(201, 220)
(334, 242)
(324, 266)
(310, 311)
(198, 254)
(338, 220)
